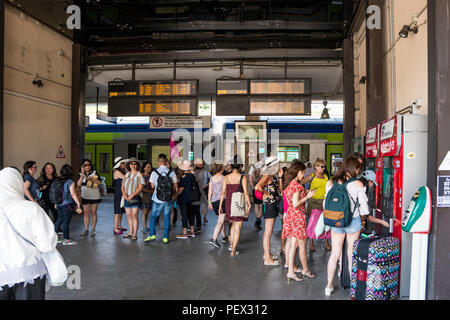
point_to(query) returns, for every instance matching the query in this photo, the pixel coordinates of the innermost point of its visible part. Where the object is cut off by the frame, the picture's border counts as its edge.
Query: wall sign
(443, 188)
(60, 154)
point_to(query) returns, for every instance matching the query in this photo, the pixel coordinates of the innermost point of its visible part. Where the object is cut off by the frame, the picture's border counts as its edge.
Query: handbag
(313, 221)
(238, 204)
(135, 199)
(56, 268)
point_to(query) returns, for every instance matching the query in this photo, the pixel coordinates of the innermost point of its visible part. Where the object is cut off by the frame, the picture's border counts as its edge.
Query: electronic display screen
(168, 88)
(182, 107)
(280, 86)
(278, 106)
(232, 86)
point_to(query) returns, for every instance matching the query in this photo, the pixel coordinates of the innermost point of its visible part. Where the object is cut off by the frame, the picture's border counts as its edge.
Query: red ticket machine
(401, 170)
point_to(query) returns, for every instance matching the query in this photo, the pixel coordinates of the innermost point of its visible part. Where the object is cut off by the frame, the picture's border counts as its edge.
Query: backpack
(164, 188)
(196, 193)
(337, 210)
(56, 192)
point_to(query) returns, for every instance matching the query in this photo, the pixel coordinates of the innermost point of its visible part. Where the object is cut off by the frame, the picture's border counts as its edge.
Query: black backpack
(164, 188)
(56, 192)
(196, 193)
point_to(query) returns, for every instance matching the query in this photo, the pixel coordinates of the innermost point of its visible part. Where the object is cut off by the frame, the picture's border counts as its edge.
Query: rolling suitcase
(375, 269)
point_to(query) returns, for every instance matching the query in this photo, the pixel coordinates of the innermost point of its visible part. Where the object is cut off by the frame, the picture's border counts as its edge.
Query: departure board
(232, 86)
(280, 86)
(278, 106)
(168, 88)
(165, 107)
(152, 98)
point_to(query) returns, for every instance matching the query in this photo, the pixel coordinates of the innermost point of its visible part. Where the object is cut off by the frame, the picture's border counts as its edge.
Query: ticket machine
(402, 169)
(371, 153)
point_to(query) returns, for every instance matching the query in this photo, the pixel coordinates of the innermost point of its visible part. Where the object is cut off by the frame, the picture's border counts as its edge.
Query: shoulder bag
(238, 204)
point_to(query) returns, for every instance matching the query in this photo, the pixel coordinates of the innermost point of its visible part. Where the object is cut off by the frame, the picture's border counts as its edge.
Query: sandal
(133, 238)
(296, 279)
(273, 263)
(234, 255)
(296, 269)
(309, 274)
(127, 235)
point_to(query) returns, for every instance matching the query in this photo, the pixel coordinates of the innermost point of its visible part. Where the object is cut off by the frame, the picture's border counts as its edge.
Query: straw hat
(185, 165)
(199, 162)
(118, 161)
(271, 166)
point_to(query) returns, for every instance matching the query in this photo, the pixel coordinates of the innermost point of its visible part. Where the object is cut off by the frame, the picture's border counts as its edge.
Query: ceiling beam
(219, 55)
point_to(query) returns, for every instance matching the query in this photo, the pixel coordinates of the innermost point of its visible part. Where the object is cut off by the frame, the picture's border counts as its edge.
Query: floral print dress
(294, 224)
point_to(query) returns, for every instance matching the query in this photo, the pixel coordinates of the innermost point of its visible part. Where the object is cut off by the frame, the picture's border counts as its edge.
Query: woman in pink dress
(294, 226)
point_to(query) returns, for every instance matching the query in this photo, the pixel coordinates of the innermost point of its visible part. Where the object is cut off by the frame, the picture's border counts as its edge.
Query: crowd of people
(294, 193)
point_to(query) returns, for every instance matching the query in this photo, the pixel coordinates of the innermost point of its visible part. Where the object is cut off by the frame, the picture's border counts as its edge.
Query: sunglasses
(323, 167)
(133, 164)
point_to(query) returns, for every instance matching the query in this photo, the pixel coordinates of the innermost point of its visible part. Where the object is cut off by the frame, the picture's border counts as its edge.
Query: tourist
(233, 182)
(348, 170)
(132, 186)
(294, 227)
(162, 199)
(119, 170)
(90, 195)
(215, 191)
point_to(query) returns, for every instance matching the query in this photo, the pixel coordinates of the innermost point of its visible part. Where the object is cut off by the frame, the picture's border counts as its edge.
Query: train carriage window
(288, 153)
(104, 162)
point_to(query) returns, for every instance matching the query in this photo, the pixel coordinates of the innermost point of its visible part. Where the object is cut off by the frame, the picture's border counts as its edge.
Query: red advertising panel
(372, 146)
(391, 137)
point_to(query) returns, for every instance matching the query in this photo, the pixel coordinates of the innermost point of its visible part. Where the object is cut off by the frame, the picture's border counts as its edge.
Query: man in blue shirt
(159, 205)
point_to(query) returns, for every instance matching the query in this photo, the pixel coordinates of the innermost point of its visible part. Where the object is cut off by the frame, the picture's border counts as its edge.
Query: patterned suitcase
(375, 269)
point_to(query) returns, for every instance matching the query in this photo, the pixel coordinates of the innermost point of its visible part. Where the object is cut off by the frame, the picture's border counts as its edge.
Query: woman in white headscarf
(22, 270)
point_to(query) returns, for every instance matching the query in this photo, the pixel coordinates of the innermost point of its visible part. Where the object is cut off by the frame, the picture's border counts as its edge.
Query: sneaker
(181, 236)
(69, 242)
(60, 240)
(165, 240)
(93, 233)
(84, 233)
(145, 230)
(214, 243)
(59, 233)
(328, 291)
(224, 240)
(150, 238)
(198, 231)
(191, 234)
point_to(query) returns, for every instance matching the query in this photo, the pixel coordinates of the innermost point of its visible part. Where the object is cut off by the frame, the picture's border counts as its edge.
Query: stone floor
(116, 268)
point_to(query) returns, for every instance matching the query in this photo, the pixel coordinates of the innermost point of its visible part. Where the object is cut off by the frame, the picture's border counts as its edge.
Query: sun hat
(370, 175)
(118, 161)
(199, 162)
(271, 166)
(185, 165)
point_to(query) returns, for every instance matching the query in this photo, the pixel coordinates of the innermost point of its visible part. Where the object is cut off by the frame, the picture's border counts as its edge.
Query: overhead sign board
(162, 97)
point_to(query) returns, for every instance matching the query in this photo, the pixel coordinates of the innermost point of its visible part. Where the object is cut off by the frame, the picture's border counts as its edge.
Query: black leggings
(187, 214)
(197, 216)
(34, 291)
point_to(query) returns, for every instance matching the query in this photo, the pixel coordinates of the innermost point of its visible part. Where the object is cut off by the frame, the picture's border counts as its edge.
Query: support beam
(349, 96)
(374, 64)
(438, 279)
(219, 55)
(78, 106)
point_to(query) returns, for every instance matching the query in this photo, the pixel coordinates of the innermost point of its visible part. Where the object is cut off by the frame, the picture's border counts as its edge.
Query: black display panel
(231, 86)
(164, 106)
(280, 86)
(232, 105)
(152, 98)
(280, 106)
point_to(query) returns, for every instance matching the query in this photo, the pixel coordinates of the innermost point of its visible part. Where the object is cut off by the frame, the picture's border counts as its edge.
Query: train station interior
(323, 79)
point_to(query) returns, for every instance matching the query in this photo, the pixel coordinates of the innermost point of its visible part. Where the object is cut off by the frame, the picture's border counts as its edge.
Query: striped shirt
(132, 181)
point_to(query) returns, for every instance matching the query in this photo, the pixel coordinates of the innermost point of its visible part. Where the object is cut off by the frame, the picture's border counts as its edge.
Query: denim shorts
(355, 226)
(128, 205)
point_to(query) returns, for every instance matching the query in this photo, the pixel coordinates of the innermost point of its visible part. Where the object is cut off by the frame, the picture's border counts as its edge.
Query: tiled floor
(116, 268)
